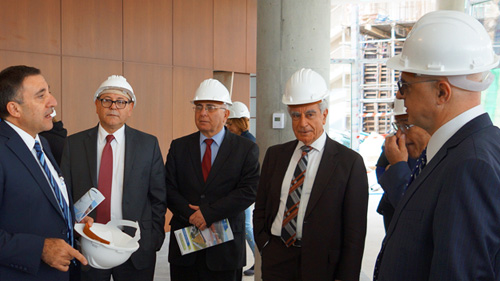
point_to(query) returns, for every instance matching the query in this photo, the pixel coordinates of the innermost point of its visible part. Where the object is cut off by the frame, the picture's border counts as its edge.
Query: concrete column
(291, 34)
(457, 5)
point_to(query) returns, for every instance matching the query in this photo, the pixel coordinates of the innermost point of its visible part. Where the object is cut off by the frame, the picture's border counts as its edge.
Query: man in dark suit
(312, 199)
(36, 215)
(137, 190)
(446, 225)
(211, 175)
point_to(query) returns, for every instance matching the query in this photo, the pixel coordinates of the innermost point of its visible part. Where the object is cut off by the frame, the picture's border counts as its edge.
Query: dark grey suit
(334, 225)
(230, 188)
(144, 191)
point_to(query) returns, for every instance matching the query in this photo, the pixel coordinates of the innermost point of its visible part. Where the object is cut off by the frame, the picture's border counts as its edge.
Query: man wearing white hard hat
(446, 225)
(126, 166)
(310, 213)
(399, 157)
(212, 175)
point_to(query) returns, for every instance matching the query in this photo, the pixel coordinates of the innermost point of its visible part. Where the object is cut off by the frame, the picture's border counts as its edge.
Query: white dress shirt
(118, 146)
(30, 143)
(313, 160)
(445, 132)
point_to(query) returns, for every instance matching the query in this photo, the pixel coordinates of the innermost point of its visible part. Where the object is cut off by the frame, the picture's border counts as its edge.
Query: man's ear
(444, 94)
(14, 109)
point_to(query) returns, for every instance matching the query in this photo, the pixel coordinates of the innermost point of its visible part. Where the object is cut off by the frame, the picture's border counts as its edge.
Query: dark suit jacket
(144, 192)
(446, 226)
(334, 228)
(29, 211)
(230, 188)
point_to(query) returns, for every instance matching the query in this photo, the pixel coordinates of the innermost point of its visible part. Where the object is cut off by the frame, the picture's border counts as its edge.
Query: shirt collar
(318, 144)
(27, 138)
(218, 138)
(445, 132)
(118, 134)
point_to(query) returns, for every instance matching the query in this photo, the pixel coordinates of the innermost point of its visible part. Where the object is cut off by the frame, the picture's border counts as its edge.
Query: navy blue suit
(29, 211)
(447, 225)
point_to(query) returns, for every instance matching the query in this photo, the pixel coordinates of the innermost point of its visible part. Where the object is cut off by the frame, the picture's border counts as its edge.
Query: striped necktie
(289, 230)
(419, 166)
(57, 192)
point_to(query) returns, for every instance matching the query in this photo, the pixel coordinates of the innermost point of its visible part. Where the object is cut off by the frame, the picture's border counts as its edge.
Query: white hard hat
(238, 110)
(212, 90)
(116, 84)
(446, 43)
(121, 246)
(399, 107)
(305, 86)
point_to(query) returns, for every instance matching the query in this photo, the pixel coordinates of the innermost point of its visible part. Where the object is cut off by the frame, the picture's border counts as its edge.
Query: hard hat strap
(462, 82)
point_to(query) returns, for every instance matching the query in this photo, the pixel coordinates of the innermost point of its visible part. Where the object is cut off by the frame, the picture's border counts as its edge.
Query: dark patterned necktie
(419, 166)
(57, 192)
(105, 181)
(289, 230)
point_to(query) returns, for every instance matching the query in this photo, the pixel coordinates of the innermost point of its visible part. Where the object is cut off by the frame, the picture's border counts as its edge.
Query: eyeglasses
(399, 126)
(208, 107)
(403, 86)
(120, 104)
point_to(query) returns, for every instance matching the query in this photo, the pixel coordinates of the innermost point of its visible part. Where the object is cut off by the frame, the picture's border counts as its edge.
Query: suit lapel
(326, 169)
(19, 148)
(195, 155)
(90, 144)
(467, 130)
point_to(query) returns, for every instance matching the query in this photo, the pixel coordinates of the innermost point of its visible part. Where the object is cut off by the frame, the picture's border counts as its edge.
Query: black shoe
(249, 272)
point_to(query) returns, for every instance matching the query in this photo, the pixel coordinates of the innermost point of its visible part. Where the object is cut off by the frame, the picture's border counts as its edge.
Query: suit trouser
(280, 263)
(123, 272)
(200, 272)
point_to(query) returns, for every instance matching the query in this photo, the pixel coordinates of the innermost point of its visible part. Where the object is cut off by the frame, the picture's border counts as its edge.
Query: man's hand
(395, 148)
(58, 254)
(197, 218)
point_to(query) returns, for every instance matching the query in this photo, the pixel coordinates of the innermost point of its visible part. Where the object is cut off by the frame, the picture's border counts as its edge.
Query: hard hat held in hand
(101, 255)
(212, 90)
(305, 86)
(446, 43)
(116, 84)
(238, 110)
(399, 107)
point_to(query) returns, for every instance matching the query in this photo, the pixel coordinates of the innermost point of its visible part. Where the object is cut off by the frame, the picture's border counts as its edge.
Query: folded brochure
(87, 203)
(191, 239)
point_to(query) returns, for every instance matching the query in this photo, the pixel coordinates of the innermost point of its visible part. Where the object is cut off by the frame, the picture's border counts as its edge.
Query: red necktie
(206, 163)
(105, 180)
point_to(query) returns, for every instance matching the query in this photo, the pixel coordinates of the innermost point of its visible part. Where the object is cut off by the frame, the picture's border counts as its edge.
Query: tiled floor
(374, 238)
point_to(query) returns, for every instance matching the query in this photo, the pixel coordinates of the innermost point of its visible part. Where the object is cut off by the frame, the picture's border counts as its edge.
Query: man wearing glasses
(445, 226)
(400, 153)
(212, 175)
(126, 165)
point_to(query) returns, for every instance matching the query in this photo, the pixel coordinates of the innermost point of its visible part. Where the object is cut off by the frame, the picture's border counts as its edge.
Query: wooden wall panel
(147, 31)
(30, 25)
(230, 35)
(81, 77)
(152, 86)
(49, 65)
(92, 28)
(186, 81)
(251, 26)
(193, 33)
(241, 88)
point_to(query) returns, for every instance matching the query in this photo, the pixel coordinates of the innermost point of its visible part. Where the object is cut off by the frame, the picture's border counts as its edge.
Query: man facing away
(36, 208)
(212, 175)
(310, 213)
(126, 165)
(446, 227)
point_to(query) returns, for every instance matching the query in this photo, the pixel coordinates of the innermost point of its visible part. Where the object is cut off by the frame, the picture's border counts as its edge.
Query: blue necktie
(419, 166)
(60, 199)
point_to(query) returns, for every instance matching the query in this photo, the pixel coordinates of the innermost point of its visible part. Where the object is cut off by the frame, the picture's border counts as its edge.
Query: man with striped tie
(36, 217)
(310, 213)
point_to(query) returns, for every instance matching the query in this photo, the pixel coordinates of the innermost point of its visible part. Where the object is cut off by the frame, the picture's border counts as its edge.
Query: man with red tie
(126, 165)
(310, 213)
(211, 175)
